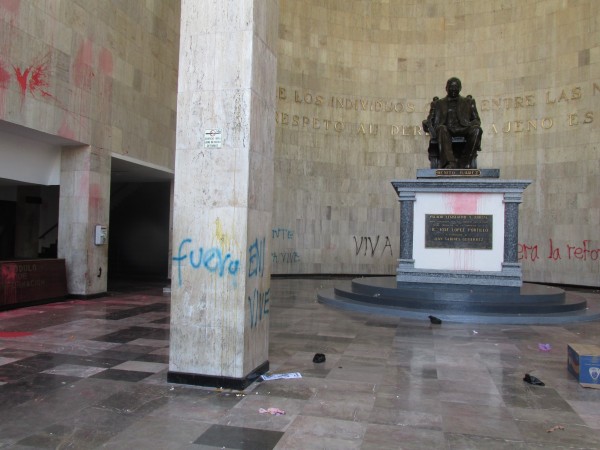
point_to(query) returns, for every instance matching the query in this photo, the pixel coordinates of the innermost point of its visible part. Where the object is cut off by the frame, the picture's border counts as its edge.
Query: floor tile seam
(484, 437)
(332, 419)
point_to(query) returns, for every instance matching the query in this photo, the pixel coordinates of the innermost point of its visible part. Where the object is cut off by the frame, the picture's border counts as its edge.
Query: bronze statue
(455, 129)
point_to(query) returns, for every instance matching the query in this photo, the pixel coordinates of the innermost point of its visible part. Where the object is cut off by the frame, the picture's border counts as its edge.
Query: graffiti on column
(259, 306)
(211, 259)
(259, 300)
(256, 258)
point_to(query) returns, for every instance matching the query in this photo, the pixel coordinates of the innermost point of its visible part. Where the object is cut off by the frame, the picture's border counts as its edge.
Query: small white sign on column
(212, 139)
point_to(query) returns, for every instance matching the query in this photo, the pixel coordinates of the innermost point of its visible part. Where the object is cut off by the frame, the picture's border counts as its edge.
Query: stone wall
(355, 79)
(354, 83)
(97, 72)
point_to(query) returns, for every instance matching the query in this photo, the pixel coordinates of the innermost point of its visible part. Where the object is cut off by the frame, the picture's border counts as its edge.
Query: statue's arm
(429, 124)
(475, 120)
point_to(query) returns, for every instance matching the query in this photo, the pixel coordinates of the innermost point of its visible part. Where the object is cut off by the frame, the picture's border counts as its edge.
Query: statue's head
(453, 87)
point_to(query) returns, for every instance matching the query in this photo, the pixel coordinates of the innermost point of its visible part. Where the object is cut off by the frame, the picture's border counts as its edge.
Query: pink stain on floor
(14, 334)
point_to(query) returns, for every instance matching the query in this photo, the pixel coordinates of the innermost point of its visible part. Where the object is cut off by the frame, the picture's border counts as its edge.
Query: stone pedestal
(458, 257)
(459, 231)
(223, 193)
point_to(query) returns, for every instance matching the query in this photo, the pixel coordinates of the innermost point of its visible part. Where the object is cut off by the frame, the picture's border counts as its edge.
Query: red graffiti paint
(34, 78)
(66, 131)
(22, 79)
(12, 6)
(14, 334)
(82, 66)
(4, 77)
(105, 61)
(39, 80)
(463, 203)
(9, 273)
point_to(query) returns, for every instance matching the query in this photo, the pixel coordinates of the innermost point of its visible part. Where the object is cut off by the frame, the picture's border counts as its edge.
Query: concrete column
(84, 203)
(223, 197)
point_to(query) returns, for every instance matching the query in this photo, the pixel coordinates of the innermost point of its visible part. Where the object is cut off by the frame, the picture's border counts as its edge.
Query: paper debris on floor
(281, 376)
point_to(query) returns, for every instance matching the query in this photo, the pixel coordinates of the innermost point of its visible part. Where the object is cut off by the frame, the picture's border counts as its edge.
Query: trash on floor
(434, 320)
(533, 380)
(319, 358)
(272, 411)
(544, 347)
(281, 376)
(554, 428)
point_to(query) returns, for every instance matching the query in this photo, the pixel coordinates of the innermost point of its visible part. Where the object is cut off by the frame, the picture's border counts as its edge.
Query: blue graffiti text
(256, 258)
(211, 259)
(259, 306)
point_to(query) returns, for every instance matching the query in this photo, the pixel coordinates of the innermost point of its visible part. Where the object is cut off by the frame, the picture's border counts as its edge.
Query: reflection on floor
(92, 374)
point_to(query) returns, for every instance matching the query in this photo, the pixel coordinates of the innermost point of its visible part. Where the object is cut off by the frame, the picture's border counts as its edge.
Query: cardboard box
(584, 364)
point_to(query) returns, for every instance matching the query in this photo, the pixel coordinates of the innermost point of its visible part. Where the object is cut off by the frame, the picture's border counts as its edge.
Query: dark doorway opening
(138, 231)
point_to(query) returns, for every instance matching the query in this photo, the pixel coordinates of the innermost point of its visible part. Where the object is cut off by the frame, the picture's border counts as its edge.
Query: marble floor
(92, 374)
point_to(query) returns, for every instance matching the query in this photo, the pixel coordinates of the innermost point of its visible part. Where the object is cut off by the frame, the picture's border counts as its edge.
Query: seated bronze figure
(455, 130)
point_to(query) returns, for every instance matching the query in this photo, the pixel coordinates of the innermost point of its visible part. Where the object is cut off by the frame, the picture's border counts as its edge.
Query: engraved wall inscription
(458, 231)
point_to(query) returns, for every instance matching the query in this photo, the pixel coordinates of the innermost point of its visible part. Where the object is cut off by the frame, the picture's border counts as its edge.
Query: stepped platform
(528, 304)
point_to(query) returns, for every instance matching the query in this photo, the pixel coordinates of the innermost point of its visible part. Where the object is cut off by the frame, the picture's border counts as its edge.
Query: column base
(197, 379)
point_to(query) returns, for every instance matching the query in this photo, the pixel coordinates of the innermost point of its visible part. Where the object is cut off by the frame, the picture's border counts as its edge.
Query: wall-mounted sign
(212, 139)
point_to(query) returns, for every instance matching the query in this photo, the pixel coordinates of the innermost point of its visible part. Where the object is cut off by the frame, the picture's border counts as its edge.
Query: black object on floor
(319, 358)
(434, 320)
(533, 380)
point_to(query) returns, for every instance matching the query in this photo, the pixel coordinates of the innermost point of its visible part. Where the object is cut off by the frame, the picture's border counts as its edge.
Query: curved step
(530, 304)
(387, 287)
(472, 304)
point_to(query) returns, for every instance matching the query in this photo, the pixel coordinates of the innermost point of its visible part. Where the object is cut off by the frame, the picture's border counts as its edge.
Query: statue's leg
(447, 158)
(473, 143)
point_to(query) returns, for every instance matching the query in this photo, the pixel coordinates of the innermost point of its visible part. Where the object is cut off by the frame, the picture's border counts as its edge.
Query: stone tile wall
(354, 83)
(99, 72)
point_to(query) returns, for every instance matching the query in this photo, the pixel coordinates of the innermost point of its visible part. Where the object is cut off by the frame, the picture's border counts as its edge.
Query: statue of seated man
(454, 116)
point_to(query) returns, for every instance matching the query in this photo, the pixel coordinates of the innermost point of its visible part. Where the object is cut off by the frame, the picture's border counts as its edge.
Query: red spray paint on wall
(4, 77)
(105, 61)
(4, 80)
(82, 66)
(34, 78)
(11, 6)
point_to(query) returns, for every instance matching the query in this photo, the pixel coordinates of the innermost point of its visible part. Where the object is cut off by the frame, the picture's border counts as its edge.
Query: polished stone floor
(92, 374)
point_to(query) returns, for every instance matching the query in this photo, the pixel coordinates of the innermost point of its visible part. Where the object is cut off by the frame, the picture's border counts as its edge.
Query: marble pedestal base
(442, 240)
